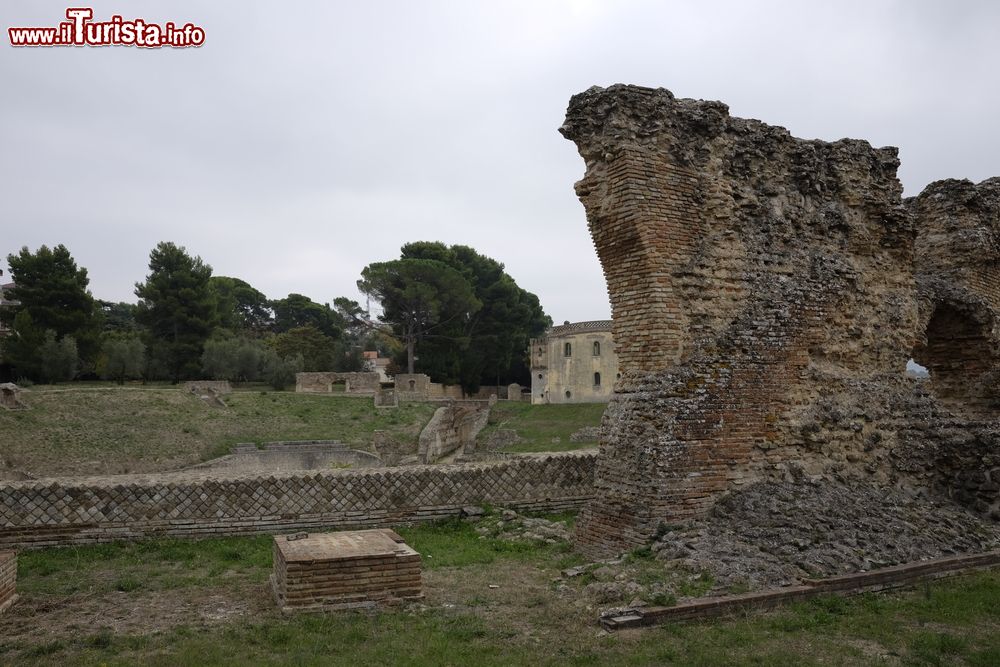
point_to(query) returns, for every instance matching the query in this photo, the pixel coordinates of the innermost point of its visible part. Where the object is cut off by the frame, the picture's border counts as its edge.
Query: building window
(597, 349)
(539, 376)
(567, 350)
(597, 379)
(569, 394)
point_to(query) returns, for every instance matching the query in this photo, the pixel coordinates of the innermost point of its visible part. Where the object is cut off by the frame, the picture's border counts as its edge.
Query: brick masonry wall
(322, 382)
(59, 511)
(765, 304)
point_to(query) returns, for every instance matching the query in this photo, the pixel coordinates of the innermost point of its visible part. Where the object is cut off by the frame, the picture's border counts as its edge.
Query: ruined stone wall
(764, 303)
(208, 386)
(58, 511)
(958, 275)
(452, 428)
(418, 387)
(323, 383)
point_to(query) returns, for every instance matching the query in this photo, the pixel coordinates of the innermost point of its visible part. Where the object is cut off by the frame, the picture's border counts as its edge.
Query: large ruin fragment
(767, 293)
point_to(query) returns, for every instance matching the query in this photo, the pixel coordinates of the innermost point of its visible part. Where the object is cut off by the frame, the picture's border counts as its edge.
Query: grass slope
(541, 425)
(116, 430)
(488, 603)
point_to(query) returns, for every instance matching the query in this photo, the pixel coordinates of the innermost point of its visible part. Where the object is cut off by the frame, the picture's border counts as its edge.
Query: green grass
(952, 621)
(540, 425)
(153, 565)
(101, 430)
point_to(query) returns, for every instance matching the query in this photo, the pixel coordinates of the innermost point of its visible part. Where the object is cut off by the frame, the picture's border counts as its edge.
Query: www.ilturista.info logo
(80, 30)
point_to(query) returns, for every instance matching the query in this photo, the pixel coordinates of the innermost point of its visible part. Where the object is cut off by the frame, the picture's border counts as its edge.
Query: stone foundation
(344, 570)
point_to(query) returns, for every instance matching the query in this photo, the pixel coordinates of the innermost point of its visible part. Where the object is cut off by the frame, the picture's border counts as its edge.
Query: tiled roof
(580, 327)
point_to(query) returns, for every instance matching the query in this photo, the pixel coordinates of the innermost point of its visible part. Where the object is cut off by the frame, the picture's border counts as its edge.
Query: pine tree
(178, 309)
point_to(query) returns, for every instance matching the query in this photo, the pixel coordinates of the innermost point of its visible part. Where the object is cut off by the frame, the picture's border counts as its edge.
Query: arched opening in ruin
(958, 356)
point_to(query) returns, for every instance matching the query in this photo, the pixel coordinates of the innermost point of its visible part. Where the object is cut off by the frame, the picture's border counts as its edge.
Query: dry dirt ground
(513, 594)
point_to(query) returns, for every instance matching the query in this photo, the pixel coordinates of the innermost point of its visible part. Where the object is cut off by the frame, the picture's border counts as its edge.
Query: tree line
(447, 311)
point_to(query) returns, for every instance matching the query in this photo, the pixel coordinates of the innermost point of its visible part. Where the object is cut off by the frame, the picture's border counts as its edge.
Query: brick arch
(959, 351)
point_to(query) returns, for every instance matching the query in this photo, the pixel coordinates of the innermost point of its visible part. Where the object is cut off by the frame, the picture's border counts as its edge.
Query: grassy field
(99, 428)
(488, 602)
(544, 428)
(107, 430)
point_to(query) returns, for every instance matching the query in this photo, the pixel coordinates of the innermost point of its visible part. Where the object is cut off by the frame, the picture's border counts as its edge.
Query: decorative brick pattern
(80, 510)
(344, 570)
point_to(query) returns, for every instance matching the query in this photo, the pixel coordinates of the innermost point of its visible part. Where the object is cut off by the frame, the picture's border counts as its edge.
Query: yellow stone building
(574, 363)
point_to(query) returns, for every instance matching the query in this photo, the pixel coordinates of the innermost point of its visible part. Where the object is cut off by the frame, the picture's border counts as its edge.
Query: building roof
(580, 327)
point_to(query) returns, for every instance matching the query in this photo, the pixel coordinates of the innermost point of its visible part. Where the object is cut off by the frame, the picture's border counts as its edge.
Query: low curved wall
(290, 456)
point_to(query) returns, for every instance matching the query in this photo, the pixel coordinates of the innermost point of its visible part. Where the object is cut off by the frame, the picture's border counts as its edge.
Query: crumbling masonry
(767, 293)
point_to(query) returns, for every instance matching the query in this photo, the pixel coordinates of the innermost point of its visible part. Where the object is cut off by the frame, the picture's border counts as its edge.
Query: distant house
(574, 363)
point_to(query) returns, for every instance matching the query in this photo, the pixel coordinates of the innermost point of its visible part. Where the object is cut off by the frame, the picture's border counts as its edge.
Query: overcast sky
(305, 140)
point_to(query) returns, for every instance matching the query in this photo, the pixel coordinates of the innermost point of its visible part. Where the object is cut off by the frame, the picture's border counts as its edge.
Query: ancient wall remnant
(452, 428)
(79, 510)
(418, 387)
(765, 304)
(345, 570)
(9, 397)
(327, 383)
(386, 398)
(958, 271)
(206, 386)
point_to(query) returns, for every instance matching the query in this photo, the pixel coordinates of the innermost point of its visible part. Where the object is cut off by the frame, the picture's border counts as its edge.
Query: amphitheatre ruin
(767, 294)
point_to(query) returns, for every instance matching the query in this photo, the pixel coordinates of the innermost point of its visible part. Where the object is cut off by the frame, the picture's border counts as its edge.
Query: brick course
(344, 570)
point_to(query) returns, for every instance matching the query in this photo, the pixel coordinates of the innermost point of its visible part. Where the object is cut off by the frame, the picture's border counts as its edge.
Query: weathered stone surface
(765, 303)
(9, 397)
(453, 428)
(349, 569)
(323, 382)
